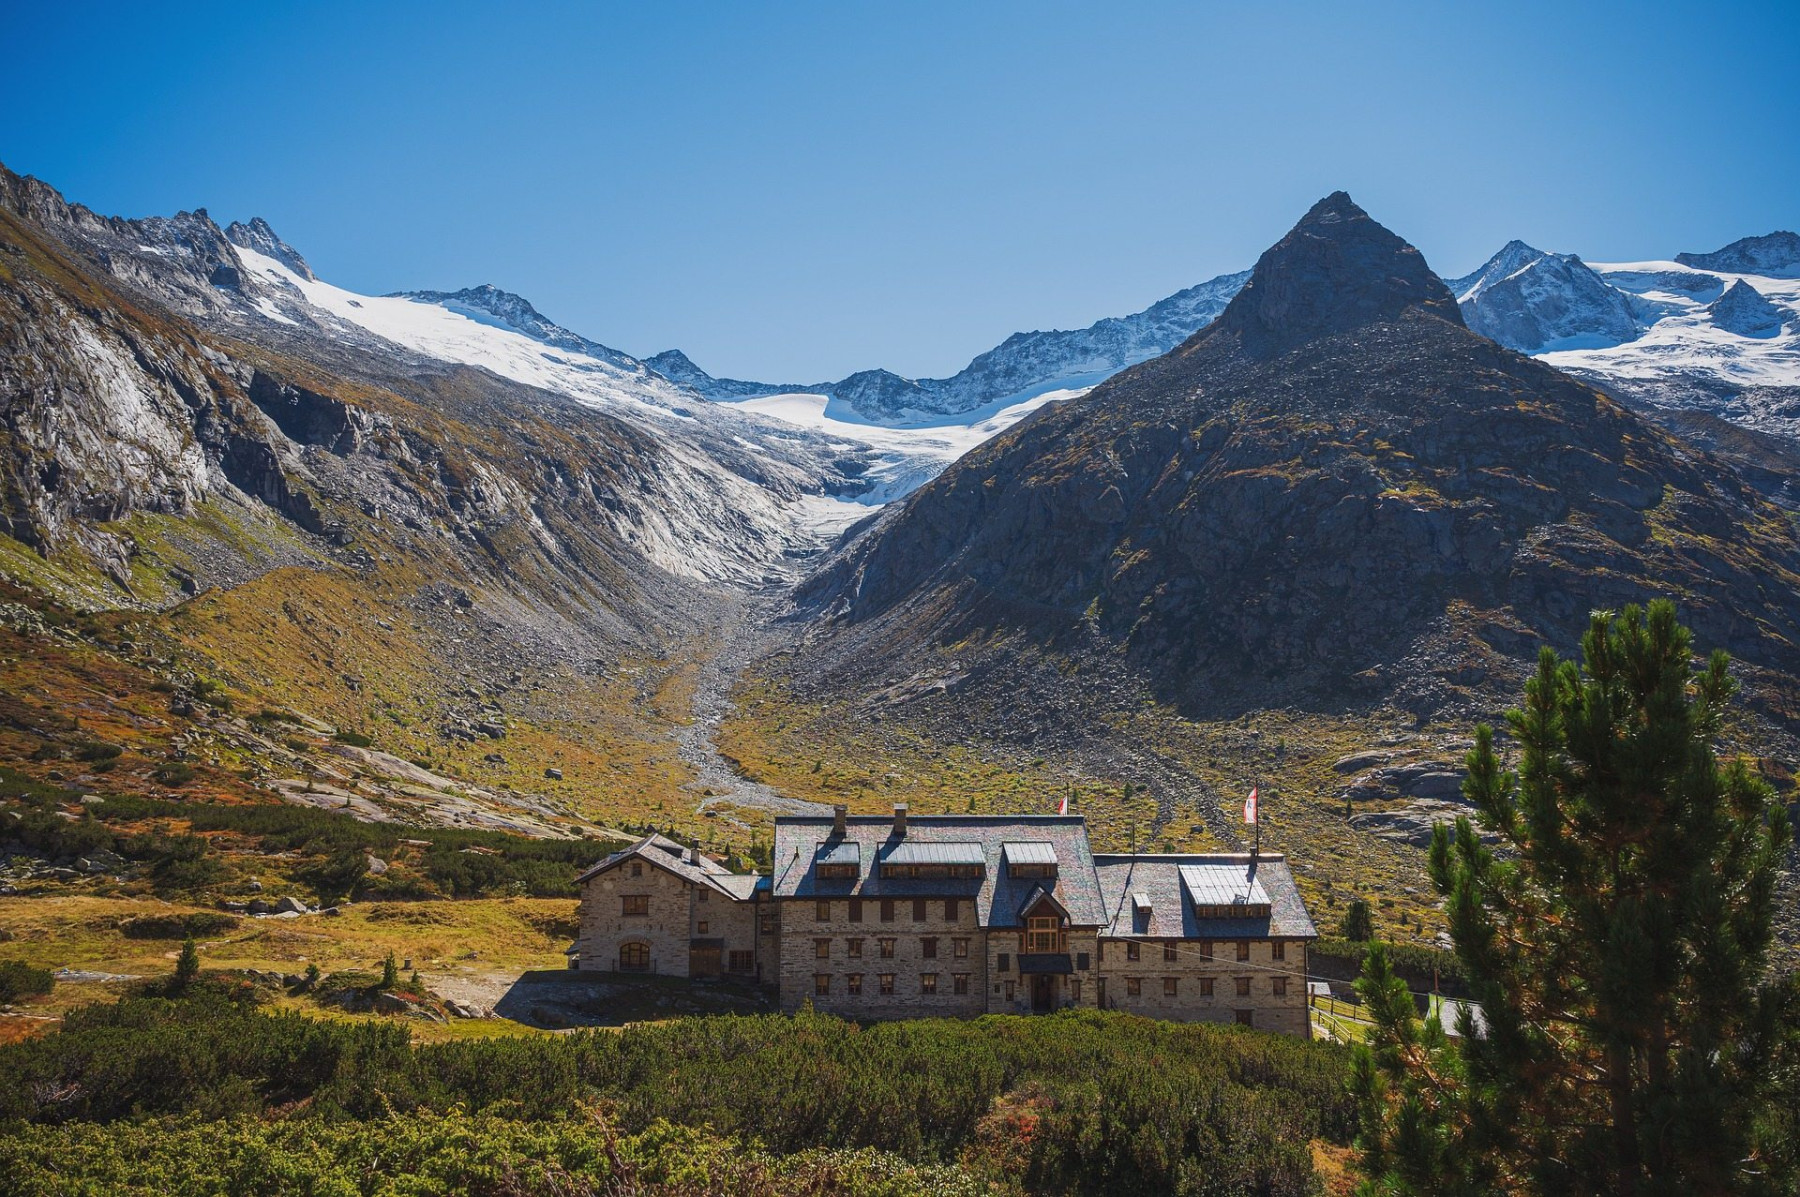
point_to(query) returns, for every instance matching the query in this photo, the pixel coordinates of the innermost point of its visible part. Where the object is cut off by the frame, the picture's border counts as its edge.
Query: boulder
(288, 904)
(377, 865)
(258, 906)
(553, 774)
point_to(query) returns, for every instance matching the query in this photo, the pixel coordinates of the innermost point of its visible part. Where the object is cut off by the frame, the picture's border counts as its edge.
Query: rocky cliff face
(1336, 494)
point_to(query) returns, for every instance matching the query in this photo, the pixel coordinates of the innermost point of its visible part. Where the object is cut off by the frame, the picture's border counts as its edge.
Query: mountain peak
(1774, 255)
(1336, 270)
(258, 237)
(1745, 311)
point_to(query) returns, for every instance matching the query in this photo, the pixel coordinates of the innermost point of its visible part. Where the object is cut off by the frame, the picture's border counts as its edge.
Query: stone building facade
(959, 915)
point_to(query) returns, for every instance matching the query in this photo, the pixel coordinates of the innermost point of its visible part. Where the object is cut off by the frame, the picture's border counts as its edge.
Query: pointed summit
(1335, 271)
(258, 237)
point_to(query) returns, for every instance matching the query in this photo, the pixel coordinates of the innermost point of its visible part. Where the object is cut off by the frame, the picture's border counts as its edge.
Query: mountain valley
(431, 557)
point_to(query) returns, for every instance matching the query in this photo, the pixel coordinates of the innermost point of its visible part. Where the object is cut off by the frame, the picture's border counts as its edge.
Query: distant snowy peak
(489, 304)
(1745, 311)
(1024, 365)
(1774, 255)
(258, 237)
(1534, 301)
(678, 368)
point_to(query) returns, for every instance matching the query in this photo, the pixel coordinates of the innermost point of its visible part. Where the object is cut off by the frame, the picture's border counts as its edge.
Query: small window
(1131, 951)
(887, 948)
(1134, 986)
(1278, 986)
(853, 984)
(1206, 949)
(700, 927)
(822, 984)
(1246, 1018)
(1081, 961)
(928, 948)
(822, 949)
(1278, 950)
(822, 911)
(952, 908)
(856, 910)
(961, 948)
(1171, 986)
(1005, 963)
(1074, 991)
(634, 957)
(855, 948)
(1168, 953)
(705, 896)
(918, 910)
(886, 981)
(928, 984)
(637, 868)
(741, 962)
(1243, 986)
(1243, 949)
(1206, 986)
(636, 904)
(768, 925)
(959, 982)
(1009, 991)
(887, 910)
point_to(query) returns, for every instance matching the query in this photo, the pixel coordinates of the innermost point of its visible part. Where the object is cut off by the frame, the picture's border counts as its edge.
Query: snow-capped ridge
(1534, 301)
(258, 236)
(490, 304)
(1773, 255)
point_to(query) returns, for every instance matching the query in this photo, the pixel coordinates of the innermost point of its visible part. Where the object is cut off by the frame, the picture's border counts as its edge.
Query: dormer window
(838, 861)
(1030, 858)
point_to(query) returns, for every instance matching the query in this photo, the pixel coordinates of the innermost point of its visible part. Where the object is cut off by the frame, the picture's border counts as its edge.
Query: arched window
(634, 957)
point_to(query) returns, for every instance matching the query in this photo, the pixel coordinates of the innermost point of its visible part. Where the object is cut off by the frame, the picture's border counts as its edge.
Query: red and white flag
(1250, 806)
(1063, 807)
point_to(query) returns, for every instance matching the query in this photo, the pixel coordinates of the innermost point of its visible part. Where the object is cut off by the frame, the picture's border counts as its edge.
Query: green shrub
(175, 773)
(1077, 1102)
(177, 926)
(21, 980)
(354, 739)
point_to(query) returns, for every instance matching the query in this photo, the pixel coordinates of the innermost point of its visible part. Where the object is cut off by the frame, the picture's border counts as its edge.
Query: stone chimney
(899, 818)
(838, 815)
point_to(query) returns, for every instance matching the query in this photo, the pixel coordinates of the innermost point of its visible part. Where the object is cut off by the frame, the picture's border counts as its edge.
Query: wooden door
(1043, 993)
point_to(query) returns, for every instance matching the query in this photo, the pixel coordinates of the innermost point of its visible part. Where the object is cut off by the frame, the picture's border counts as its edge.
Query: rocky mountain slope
(1333, 497)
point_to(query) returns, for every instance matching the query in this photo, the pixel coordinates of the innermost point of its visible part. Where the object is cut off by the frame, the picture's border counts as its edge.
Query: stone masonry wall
(801, 929)
(666, 929)
(1191, 971)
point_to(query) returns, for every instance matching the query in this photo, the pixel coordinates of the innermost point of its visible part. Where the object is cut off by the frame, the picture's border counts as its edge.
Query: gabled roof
(944, 839)
(1160, 879)
(840, 852)
(686, 863)
(1039, 894)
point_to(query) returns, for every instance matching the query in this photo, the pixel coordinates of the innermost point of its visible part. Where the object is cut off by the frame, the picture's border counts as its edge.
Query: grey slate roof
(664, 853)
(839, 852)
(997, 897)
(1159, 878)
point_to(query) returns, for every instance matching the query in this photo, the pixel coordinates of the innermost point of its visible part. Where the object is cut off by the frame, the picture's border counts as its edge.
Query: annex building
(959, 915)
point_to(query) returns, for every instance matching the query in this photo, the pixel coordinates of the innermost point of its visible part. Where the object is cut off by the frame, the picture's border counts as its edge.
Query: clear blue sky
(793, 192)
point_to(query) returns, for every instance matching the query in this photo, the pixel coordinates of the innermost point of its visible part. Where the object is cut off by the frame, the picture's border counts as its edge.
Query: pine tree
(1618, 950)
(187, 965)
(1359, 924)
(390, 973)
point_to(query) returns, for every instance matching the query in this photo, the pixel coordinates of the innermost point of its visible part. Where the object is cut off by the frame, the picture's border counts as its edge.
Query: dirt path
(745, 631)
